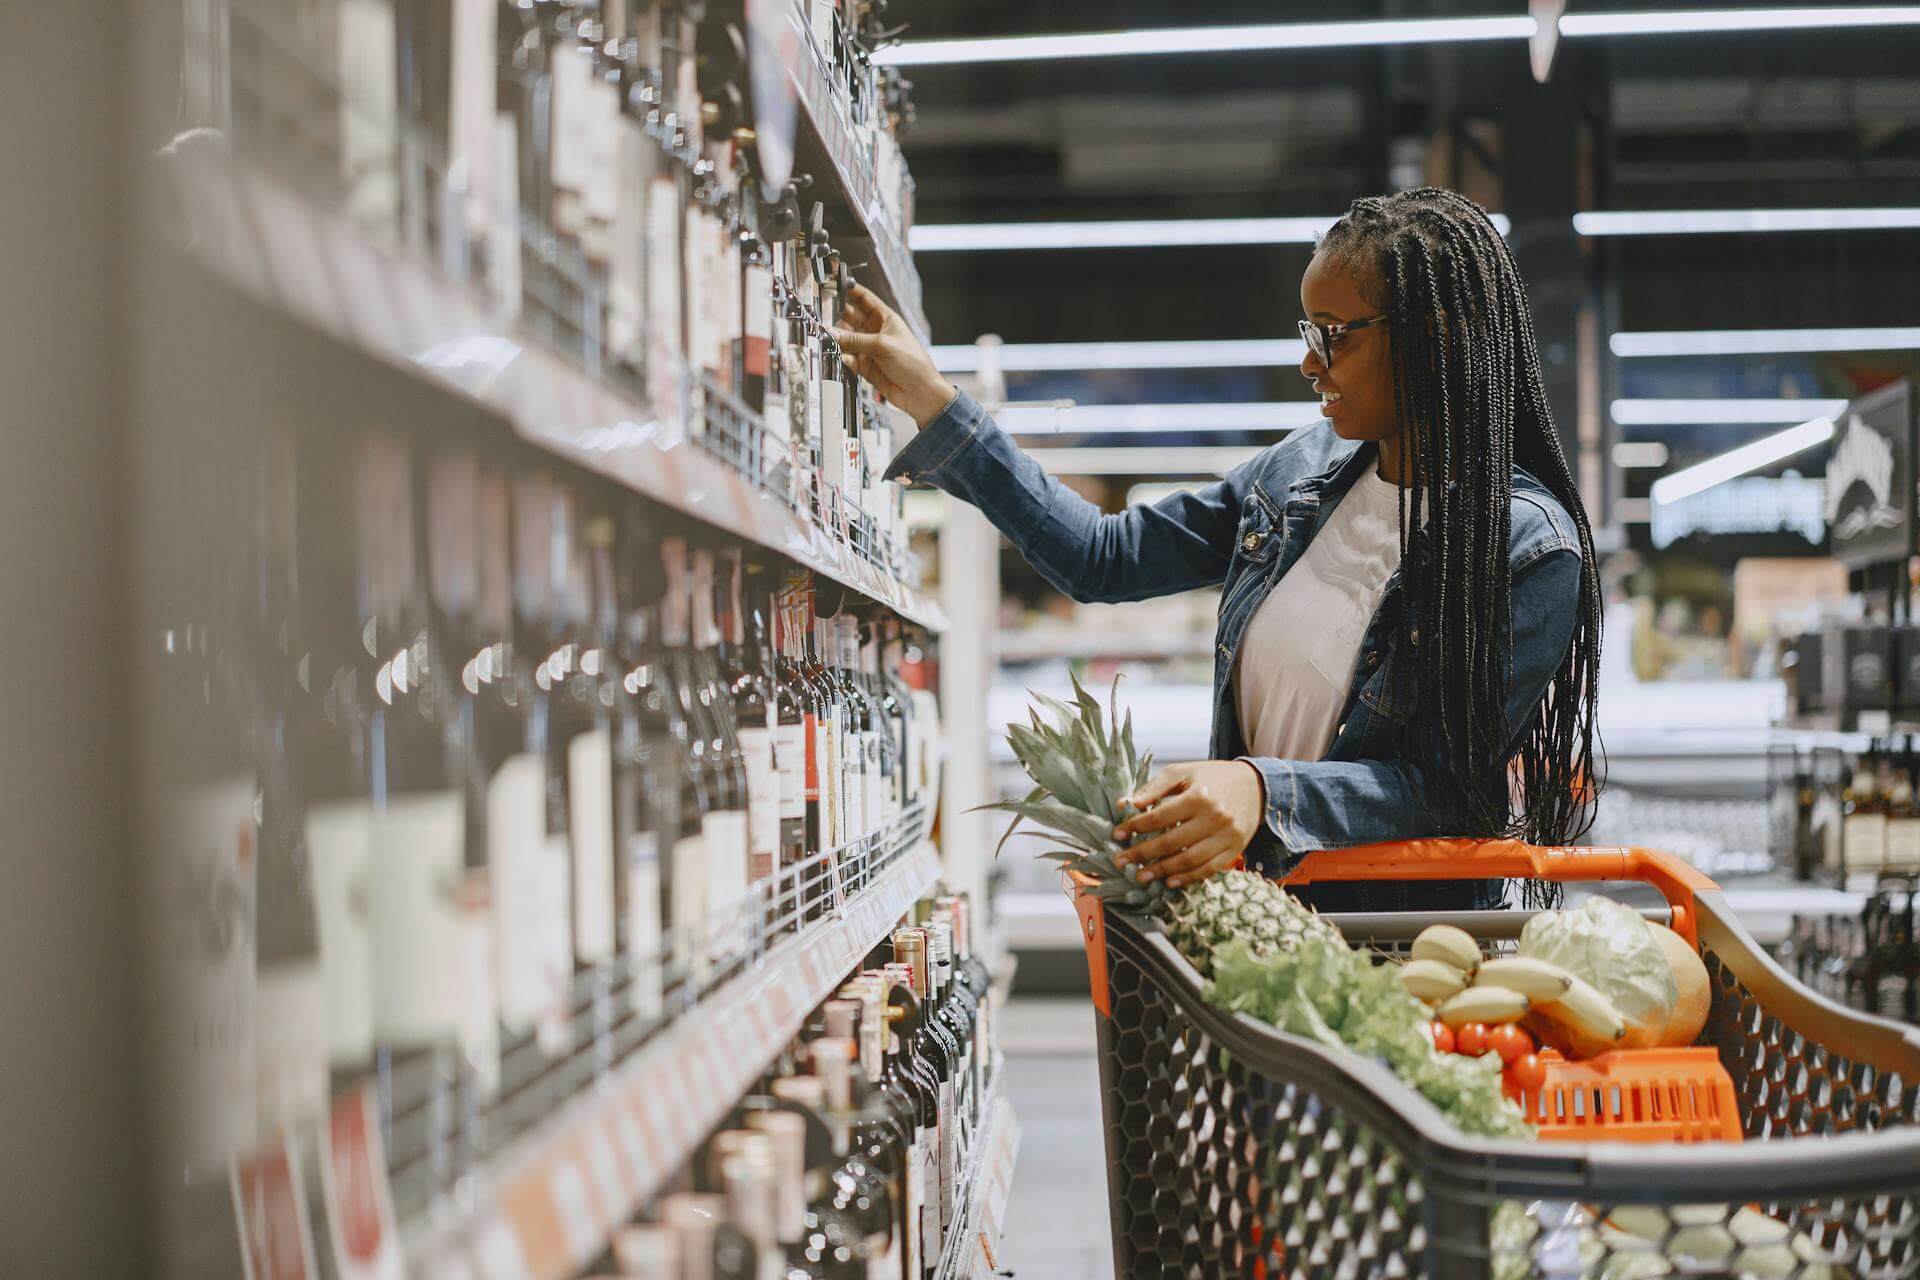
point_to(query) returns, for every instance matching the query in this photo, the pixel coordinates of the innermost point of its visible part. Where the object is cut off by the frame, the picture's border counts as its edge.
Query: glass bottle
(751, 693)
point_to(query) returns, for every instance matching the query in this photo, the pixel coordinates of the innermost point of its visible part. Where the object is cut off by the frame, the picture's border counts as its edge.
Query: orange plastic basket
(1636, 1095)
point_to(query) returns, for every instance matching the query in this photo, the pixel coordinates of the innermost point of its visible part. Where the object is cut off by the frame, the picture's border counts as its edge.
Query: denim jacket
(1242, 534)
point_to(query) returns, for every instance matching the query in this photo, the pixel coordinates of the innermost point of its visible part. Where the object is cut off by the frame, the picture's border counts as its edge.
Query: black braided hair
(1471, 406)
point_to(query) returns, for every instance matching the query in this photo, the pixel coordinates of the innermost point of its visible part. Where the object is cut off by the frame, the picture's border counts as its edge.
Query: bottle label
(930, 1195)
(687, 890)
(554, 897)
(338, 838)
(759, 319)
(917, 1209)
(876, 783)
(833, 432)
(419, 848)
(790, 760)
(950, 1153)
(290, 1044)
(1903, 844)
(763, 803)
(1863, 840)
(590, 825)
(726, 838)
(665, 359)
(503, 221)
(516, 841)
(814, 742)
(829, 782)
(480, 1012)
(643, 924)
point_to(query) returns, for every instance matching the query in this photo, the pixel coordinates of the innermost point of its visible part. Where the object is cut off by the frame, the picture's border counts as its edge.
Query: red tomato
(1442, 1036)
(1528, 1072)
(1470, 1038)
(1510, 1042)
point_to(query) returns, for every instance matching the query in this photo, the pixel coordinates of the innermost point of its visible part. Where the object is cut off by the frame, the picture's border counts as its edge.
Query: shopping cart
(1234, 1149)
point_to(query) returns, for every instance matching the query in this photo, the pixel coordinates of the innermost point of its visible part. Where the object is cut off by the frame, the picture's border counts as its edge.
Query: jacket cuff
(924, 456)
(1271, 851)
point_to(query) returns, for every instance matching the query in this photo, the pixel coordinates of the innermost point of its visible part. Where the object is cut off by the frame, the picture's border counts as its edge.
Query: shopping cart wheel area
(1235, 1149)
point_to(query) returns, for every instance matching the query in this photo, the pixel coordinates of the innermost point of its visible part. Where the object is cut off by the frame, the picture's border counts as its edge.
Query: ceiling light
(1692, 413)
(1661, 22)
(1142, 461)
(1125, 234)
(1681, 222)
(1036, 357)
(1243, 39)
(1631, 454)
(1121, 419)
(1737, 462)
(1748, 342)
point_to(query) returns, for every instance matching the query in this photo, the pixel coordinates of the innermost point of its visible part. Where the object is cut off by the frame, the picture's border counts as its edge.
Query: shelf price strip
(562, 1195)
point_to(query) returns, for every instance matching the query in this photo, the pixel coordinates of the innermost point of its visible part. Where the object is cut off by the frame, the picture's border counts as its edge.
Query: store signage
(1753, 505)
(1870, 493)
(270, 1205)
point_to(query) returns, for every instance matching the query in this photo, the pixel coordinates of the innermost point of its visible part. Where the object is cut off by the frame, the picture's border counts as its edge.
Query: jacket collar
(1348, 461)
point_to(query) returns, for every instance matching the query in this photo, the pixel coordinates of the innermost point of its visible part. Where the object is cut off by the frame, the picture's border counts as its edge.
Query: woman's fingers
(857, 343)
(1174, 809)
(1224, 856)
(1195, 855)
(1169, 779)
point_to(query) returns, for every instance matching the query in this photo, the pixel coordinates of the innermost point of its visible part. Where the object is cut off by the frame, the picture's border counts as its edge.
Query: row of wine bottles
(461, 735)
(1870, 961)
(847, 1161)
(597, 166)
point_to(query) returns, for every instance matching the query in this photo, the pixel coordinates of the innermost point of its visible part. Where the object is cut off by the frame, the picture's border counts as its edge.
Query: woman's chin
(1345, 426)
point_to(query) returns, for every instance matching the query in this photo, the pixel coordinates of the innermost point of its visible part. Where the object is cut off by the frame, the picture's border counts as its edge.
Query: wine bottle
(790, 750)
(729, 876)
(752, 697)
(648, 777)
(579, 736)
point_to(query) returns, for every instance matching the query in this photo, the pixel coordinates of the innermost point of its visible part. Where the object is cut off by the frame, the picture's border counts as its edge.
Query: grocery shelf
(830, 129)
(320, 267)
(545, 1207)
(968, 1250)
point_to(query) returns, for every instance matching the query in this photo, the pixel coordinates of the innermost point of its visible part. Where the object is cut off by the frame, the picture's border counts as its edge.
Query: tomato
(1510, 1042)
(1528, 1072)
(1470, 1038)
(1442, 1036)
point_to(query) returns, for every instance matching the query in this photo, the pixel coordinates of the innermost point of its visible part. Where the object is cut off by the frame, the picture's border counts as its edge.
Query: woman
(1410, 618)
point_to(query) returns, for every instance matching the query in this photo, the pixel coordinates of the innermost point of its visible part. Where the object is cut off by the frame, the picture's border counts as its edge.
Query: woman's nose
(1311, 366)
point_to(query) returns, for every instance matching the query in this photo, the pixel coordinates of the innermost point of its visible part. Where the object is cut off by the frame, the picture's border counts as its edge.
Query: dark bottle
(790, 751)
(700, 847)
(861, 752)
(545, 888)
(647, 774)
(906, 1075)
(579, 734)
(887, 724)
(750, 692)
(833, 728)
(289, 991)
(730, 860)
(939, 1050)
(417, 853)
(814, 887)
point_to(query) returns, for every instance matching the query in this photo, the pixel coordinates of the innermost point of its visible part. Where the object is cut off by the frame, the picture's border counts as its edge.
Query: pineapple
(1083, 764)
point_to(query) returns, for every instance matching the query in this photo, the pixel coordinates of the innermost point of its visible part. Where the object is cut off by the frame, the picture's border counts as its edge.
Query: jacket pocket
(1257, 539)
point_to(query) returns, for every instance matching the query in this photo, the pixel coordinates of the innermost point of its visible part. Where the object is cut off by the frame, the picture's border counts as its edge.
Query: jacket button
(1414, 636)
(1373, 659)
(1341, 731)
(1250, 543)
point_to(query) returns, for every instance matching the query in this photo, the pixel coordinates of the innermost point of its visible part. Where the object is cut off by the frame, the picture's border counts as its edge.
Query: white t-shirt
(1297, 655)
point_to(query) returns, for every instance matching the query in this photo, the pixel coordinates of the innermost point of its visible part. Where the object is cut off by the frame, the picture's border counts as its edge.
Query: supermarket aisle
(1057, 1216)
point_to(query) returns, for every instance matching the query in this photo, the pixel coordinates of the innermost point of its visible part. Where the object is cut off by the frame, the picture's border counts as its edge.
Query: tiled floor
(1056, 1223)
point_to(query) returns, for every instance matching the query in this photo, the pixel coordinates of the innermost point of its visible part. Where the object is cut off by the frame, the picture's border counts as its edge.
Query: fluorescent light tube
(1631, 454)
(1748, 342)
(1661, 22)
(1738, 462)
(1127, 419)
(1692, 413)
(1142, 461)
(1243, 39)
(1682, 222)
(1125, 234)
(1037, 357)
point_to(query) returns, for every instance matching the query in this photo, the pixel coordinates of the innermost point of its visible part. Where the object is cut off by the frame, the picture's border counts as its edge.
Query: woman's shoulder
(1540, 524)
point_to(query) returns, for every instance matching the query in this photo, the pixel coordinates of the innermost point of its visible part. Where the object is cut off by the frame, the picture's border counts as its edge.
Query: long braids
(1471, 405)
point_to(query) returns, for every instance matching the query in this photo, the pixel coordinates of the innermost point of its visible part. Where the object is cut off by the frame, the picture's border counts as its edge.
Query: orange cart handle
(1458, 859)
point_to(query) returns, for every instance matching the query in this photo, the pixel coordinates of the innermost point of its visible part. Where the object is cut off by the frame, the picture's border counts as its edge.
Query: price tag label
(573, 1208)
(633, 1145)
(497, 1254)
(609, 1184)
(270, 1204)
(353, 1177)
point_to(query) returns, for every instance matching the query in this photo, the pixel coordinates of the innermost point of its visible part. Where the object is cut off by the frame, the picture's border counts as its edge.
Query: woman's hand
(879, 347)
(1205, 815)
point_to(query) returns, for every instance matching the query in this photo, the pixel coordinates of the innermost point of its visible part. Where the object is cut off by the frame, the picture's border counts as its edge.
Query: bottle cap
(646, 1251)
(787, 1133)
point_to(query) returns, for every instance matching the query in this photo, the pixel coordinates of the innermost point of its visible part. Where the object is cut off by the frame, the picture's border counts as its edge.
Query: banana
(1431, 980)
(1584, 1009)
(1490, 1005)
(1448, 945)
(1537, 980)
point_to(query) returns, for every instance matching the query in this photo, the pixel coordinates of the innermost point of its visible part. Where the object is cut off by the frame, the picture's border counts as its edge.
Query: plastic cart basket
(1234, 1149)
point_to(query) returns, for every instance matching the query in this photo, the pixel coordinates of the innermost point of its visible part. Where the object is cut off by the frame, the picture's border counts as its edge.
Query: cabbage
(1609, 945)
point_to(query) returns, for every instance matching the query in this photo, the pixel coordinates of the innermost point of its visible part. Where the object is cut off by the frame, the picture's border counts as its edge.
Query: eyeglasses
(1321, 337)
